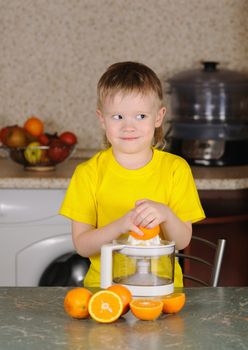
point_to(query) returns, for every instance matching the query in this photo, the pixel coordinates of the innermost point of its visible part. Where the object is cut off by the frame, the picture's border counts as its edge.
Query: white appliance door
(39, 255)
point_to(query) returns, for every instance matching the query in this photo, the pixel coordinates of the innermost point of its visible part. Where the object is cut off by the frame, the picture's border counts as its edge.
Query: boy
(131, 183)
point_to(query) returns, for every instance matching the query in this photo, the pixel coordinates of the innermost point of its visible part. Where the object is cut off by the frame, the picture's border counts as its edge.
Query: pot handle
(210, 66)
(107, 263)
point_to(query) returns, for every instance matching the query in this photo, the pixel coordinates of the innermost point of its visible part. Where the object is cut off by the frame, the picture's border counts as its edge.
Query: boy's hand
(126, 223)
(148, 213)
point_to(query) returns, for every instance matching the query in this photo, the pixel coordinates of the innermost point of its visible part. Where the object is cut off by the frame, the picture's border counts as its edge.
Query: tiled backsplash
(53, 52)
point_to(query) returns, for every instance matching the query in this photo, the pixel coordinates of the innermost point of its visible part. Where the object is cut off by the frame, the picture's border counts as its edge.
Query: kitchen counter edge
(13, 176)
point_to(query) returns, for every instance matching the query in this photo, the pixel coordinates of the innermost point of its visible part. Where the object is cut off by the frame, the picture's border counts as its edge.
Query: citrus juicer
(146, 268)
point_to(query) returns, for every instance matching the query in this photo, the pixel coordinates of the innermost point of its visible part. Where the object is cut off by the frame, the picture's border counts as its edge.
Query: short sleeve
(80, 201)
(184, 199)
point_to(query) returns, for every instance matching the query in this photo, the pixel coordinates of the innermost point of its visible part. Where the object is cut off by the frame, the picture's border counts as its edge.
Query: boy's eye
(140, 116)
(117, 116)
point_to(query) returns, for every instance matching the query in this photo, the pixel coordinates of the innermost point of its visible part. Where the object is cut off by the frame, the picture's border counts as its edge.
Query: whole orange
(149, 233)
(125, 295)
(34, 126)
(173, 303)
(76, 302)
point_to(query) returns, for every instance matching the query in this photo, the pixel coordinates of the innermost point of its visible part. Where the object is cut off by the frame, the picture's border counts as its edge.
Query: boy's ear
(160, 117)
(100, 117)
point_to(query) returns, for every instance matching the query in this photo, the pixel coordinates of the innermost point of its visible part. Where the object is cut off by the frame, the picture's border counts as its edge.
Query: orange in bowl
(105, 306)
(173, 303)
(146, 309)
(125, 295)
(34, 126)
(149, 233)
(76, 302)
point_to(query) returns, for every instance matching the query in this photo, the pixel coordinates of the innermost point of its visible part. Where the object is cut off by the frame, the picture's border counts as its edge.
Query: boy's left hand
(149, 213)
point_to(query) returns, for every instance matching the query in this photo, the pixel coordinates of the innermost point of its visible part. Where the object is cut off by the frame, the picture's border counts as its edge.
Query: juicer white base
(150, 291)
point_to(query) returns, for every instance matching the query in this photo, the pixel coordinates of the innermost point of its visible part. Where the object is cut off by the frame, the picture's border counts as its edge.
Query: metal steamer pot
(209, 123)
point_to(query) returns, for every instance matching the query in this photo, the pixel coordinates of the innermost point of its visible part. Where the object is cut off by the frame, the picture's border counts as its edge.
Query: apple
(33, 153)
(68, 138)
(44, 139)
(58, 151)
(15, 137)
(3, 134)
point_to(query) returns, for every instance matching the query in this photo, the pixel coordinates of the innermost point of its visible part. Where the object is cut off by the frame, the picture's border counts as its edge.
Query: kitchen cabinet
(227, 217)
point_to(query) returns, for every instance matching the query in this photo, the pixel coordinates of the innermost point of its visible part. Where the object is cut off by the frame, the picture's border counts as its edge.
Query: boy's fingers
(138, 220)
(140, 201)
(143, 216)
(137, 230)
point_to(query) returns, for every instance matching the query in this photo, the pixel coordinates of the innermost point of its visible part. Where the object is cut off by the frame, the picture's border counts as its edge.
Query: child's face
(129, 121)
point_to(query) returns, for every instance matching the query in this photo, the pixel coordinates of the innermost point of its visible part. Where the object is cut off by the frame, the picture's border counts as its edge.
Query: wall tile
(53, 52)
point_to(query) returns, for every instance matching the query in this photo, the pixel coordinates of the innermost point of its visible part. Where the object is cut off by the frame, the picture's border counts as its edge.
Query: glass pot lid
(209, 95)
(210, 75)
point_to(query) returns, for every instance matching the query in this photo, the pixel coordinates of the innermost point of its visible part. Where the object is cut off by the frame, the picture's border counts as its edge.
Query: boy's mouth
(129, 138)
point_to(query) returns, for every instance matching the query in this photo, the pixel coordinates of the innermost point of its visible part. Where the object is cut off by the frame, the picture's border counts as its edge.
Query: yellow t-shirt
(101, 191)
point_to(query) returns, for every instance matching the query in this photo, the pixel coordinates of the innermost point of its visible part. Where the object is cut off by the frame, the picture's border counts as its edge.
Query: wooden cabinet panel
(227, 217)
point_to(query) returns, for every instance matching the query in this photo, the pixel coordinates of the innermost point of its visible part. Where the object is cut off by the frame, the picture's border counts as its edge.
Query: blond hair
(127, 77)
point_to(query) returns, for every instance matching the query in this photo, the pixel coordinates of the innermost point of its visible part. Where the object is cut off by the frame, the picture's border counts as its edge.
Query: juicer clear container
(146, 270)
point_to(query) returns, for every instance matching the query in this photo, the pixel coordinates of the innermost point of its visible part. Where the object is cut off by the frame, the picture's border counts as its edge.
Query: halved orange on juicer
(149, 233)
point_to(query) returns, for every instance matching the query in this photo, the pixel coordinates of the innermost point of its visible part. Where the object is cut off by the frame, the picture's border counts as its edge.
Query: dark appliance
(68, 270)
(209, 123)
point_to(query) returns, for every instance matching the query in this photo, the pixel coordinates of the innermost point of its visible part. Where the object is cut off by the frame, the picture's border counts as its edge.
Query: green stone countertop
(213, 318)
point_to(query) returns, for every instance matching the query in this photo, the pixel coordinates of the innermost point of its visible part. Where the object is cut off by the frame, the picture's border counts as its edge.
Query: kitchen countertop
(213, 318)
(13, 175)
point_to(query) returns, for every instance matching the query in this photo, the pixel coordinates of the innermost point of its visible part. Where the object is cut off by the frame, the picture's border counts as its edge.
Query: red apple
(3, 134)
(58, 151)
(44, 139)
(68, 138)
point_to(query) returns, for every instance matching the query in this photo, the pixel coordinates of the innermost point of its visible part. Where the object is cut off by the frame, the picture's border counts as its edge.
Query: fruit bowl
(34, 148)
(38, 157)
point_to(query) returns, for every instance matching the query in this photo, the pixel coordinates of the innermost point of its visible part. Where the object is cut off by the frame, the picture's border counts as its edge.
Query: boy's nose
(128, 125)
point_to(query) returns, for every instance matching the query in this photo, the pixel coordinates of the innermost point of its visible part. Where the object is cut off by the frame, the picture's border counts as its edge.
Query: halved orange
(173, 303)
(149, 233)
(105, 306)
(146, 309)
(76, 302)
(125, 295)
